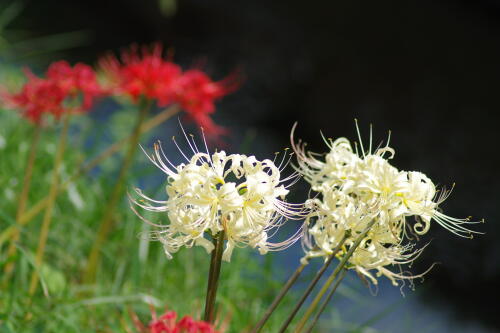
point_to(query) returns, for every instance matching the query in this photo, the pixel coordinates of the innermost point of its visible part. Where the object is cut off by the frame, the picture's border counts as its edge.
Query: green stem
(328, 299)
(23, 197)
(313, 283)
(278, 298)
(213, 276)
(106, 223)
(47, 218)
(332, 277)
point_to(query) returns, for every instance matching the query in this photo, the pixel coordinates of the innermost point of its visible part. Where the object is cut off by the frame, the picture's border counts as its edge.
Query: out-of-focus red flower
(145, 72)
(196, 93)
(37, 97)
(189, 325)
(167, 324)
(142, 73)
(74, 80)
(40, 96)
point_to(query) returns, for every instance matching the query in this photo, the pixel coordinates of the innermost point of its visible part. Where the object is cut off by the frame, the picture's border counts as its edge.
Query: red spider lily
(189, 325)
(78, 79)
(143, 73)
(167, 324)
(196, 93)
(41, 96)
(37, 97)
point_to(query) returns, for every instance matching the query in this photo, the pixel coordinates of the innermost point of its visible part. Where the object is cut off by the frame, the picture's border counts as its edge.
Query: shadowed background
(427, 70)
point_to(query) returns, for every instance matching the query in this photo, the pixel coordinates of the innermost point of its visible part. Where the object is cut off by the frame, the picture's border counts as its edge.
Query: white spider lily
(374, 256)
(355, 188)
(209, 193)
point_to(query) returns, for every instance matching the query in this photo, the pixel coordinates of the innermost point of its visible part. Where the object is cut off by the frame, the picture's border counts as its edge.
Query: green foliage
(21, 45)
(134, 273)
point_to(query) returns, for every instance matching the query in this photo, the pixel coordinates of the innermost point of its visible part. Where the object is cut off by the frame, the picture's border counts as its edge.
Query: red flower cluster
(73, 80)
(37, 97)
(167, 324)
(146, 73)
(139, 73)
(143, 73)
(51, 95)
(196, 94)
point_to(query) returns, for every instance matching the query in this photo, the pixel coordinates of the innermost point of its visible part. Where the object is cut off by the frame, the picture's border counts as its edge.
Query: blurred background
(426, 70)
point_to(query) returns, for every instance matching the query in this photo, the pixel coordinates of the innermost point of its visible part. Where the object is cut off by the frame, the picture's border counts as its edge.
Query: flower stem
(106, 223)
(328, 299)
(23, 197)
(47, 218)
(213, 276)
(332, 277)
(312, 284)
(40, 205)
(293, 278)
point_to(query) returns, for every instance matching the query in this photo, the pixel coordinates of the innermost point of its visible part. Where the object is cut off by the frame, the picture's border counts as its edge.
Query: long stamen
(359, 138)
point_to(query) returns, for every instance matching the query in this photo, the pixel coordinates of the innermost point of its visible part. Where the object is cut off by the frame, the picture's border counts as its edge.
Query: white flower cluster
(355, 188)
(217, 192)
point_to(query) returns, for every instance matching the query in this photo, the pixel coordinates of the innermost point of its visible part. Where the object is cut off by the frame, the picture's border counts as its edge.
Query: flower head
(196, 93)
(37, 97)
(79, 79)
(142, 72)
(55, 94)
(213, 192)
(168, 323)
(354, 188)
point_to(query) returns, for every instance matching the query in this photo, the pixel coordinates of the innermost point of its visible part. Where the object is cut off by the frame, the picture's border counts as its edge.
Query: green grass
(134, 272)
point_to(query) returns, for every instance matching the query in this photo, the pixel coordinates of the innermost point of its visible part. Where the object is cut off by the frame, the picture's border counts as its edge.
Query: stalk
(332, 277)
(328, 299)
(213, 276)
(313, 283)
(293, 278)
(47, 218)
(40, 205)
(107, 220)
(23, 196)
